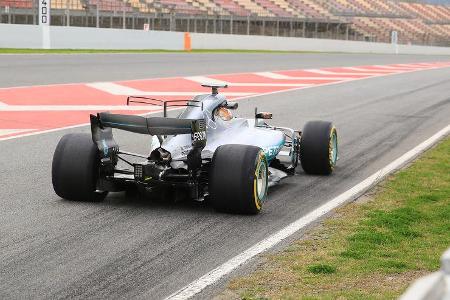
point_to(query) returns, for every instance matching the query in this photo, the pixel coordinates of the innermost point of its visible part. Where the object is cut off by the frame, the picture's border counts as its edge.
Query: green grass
(149, 51)
(370, 249)
(321, 269)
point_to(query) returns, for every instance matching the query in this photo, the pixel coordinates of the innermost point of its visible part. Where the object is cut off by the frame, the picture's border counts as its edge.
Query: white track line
(372, 70)
(273, 75)
(437, 67)
(398, 68)
(121, 90)
(113, 88)
(270, 84)
(325, 72)
(42, 132)
(434, 65)
(418, 65)
(204, 79)
(78, 108)
(213, 276)
(6, 131)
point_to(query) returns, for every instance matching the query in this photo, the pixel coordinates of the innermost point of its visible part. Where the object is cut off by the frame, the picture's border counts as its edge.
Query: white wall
(20, 36)
(30, 36)
(105, 38)
(227, 41)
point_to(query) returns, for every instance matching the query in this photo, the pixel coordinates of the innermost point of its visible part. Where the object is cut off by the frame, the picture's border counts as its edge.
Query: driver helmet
(224, 113)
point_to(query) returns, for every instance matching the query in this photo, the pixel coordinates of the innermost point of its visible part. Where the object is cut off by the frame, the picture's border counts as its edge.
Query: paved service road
(132, 247)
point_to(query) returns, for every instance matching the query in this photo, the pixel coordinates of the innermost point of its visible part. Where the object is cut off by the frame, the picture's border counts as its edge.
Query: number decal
(44, 11)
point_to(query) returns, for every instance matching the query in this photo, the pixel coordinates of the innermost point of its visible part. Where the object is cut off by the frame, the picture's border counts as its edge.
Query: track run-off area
(131, 247)
(33, 109)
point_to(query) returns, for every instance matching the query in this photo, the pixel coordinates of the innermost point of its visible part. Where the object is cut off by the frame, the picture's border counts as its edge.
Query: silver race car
(204, 153)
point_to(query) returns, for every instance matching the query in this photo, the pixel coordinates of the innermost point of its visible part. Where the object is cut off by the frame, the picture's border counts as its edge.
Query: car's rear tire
(318, 148)
(238, 179)
(75, 168)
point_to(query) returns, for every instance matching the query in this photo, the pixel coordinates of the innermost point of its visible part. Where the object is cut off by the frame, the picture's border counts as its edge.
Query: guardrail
(435, 286)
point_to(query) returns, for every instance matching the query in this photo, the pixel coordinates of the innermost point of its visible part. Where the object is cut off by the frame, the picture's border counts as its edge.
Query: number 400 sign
(44, 12)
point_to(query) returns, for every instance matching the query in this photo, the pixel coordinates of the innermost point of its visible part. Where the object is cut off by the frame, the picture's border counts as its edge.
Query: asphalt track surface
(20, 70)
(132, 247)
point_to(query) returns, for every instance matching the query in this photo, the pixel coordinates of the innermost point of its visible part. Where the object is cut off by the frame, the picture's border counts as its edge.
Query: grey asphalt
(129, 247)
(20, 70)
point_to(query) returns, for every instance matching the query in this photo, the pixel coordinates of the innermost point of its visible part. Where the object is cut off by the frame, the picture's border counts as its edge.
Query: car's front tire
(318, 148)
(75, 168)
(238, 179)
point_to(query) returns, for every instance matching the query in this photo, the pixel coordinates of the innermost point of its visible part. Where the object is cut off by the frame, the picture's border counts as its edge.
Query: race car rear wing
(147, 125)
(102, 123)
(164, 103)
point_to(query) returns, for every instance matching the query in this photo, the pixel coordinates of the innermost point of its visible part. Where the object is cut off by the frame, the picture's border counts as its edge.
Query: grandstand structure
(416, 22)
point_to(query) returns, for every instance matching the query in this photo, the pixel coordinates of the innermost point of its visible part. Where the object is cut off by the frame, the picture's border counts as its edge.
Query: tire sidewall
(232, 179)
(75, 168)
(316, 148)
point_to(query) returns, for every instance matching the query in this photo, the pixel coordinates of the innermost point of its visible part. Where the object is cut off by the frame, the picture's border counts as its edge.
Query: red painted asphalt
(34, 109)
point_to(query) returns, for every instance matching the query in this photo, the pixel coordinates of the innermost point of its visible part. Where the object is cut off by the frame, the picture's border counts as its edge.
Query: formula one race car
(204, 153)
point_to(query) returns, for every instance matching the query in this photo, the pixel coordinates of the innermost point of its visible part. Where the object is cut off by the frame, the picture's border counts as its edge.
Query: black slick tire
(316, 149)
(238, 179)
(75, 168)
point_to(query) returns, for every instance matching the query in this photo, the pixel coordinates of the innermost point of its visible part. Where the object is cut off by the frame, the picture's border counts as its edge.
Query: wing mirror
(263, 115)
(232, 105)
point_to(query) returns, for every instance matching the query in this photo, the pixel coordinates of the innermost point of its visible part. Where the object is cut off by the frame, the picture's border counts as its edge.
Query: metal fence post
(35, 11)
(231, 24)
(291, 32)
(153, 22)
(97, 21)
(8, 14)
(123, 18)
(248, 24)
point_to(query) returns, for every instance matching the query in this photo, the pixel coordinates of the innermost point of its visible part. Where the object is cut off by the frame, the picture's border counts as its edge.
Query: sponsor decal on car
(199, 136)
(272, 152)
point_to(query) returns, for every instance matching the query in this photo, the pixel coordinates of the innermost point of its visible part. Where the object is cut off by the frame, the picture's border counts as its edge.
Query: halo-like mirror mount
(215, 87)
(264, 115)
(232, 105)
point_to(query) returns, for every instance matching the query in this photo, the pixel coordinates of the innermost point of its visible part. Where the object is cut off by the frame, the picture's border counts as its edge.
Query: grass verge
(370, 249)
(131, 51)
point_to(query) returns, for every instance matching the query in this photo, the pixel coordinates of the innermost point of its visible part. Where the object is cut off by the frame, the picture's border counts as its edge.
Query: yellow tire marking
(330, 158)
(255, 182)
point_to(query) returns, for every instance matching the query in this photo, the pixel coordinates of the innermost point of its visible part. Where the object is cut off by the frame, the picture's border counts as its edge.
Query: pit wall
(31, 36)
